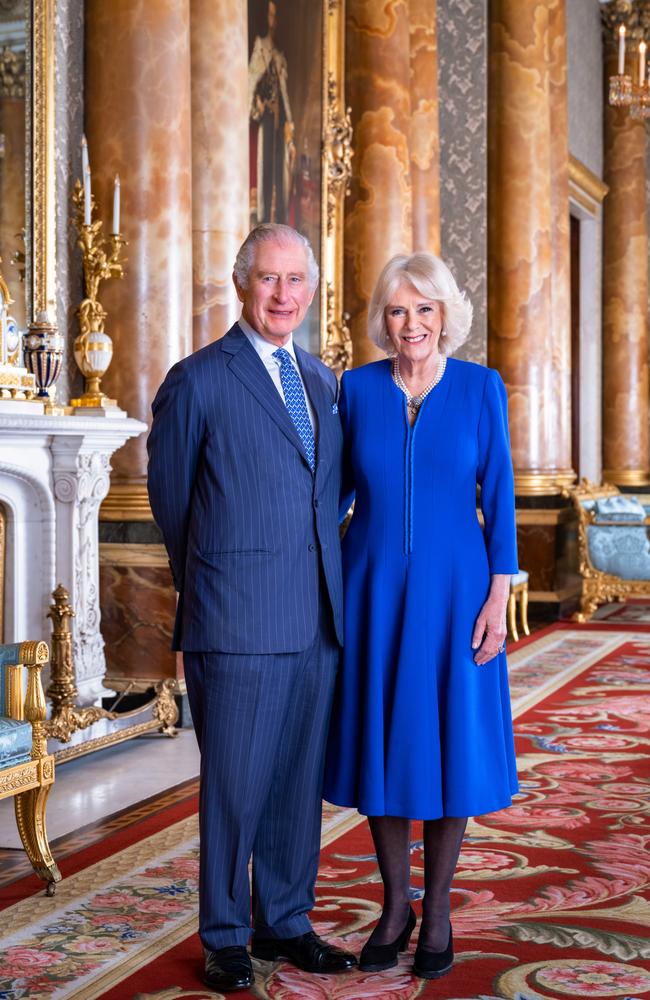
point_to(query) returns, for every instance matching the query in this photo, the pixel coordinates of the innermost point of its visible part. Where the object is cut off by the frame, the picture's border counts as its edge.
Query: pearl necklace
(415, 402)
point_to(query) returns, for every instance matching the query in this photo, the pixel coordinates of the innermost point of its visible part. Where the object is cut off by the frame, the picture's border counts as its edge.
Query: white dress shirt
(265, 350)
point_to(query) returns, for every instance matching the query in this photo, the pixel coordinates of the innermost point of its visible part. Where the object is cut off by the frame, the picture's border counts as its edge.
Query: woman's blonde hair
(433, 279)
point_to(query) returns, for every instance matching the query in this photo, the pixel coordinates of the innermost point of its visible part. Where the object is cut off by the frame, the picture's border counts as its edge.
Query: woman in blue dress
(421, 726)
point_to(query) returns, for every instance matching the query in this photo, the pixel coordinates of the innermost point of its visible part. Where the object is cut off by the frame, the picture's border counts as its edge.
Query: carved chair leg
(588, 603)
(524, 610)
(512, 619)
(30, 818)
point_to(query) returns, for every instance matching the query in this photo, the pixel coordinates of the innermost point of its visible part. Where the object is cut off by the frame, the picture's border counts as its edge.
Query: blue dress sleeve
(495, 477)
(174, 445)
(347, 477)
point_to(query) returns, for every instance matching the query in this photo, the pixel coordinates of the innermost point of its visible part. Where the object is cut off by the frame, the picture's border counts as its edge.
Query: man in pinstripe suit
(244, 476)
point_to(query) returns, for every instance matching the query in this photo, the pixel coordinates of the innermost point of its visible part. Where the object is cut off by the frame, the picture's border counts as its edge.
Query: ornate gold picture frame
(41, 255)
(300, 146)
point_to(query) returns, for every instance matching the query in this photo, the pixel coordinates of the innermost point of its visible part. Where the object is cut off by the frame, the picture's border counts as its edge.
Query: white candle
(642, 48)
(85, 163)
(87, 196)
(116, 204)
(621, 50)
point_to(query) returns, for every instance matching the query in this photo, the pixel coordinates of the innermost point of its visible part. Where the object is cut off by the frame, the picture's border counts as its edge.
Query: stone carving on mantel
(54, 474)
(84, 488)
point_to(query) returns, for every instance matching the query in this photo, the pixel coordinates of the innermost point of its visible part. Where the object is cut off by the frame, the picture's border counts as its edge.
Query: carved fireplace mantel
(54, 474)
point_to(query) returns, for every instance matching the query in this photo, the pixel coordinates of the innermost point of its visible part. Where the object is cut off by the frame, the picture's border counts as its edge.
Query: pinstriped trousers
(261, 723)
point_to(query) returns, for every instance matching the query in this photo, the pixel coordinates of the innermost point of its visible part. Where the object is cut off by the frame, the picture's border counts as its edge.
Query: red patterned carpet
(550, 901)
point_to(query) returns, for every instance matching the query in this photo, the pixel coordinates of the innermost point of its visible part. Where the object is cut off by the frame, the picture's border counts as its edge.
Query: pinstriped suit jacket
(244, 520)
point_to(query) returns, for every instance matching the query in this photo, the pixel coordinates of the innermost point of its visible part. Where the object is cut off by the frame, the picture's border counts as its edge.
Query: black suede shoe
(309, 952)
(433, 964)
(376, 957)
(228, 969)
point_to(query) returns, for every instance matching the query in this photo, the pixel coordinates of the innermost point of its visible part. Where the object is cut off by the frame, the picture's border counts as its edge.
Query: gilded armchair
(26, 768)
(613, 546)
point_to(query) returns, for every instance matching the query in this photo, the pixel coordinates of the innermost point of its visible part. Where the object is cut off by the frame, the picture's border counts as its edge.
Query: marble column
(378, 210)
(560, 238)
(524, 342)
(220, 213)
(626, 457)
(424, 135)
(137, 108)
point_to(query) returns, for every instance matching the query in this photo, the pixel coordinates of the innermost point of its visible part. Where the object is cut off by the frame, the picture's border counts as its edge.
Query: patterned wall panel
(585, 65)
(462, 82)
(69, 110)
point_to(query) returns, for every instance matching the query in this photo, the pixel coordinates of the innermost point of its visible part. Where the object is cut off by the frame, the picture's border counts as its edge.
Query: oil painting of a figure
(271, 111)
(285, 42)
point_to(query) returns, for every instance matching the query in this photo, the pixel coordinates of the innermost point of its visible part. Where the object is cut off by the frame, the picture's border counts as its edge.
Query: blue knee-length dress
(418, 729)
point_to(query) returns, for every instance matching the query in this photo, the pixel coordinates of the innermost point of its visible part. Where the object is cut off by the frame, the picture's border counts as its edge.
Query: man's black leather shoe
(228, 969)
(309, 952)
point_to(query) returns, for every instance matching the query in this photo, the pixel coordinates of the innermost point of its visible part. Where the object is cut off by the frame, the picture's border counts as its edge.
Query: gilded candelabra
(627, 24)
(102, 259)
(66, 716)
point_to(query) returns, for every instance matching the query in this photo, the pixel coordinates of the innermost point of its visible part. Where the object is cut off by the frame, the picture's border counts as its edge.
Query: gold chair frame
(599, 587)
(29, 783)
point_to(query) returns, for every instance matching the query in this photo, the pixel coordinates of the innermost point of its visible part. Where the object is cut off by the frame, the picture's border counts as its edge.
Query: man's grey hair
(272, 232)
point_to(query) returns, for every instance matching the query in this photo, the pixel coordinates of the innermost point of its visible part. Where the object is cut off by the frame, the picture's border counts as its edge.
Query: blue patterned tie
(294, 397)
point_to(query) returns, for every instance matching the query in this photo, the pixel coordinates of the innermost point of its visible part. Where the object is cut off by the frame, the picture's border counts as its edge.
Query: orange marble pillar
(626, 456)
(378, 210)
(220, 213)
(424, 135)
(137, 120)
(521, 232)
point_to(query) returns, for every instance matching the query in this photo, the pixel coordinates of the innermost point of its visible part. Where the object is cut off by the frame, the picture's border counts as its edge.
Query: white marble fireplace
(54, 473)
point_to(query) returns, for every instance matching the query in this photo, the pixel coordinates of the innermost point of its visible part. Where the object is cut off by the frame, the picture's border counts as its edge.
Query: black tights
(442, 843)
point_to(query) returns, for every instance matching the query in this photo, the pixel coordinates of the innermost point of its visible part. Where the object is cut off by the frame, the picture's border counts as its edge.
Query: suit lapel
(247, 366)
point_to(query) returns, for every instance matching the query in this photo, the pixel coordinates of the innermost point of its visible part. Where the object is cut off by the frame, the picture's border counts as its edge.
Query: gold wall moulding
(336, 342)
(586, 181)
(532, 483)
(126, 502)
(544, 515)
(132, 554)
(555, 596)
(43, 221)
(627, 477)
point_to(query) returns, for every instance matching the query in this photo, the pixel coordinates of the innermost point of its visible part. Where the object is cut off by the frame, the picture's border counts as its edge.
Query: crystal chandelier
(628, 25)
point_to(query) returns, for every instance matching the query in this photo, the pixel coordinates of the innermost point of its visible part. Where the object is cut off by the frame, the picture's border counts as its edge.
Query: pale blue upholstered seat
(15, 735)
(15, 742)
(622, 550)
(613, 545)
